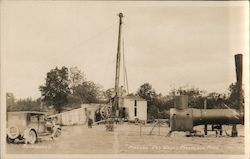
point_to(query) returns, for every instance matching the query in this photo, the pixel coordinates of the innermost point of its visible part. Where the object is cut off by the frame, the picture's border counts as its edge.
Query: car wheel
(9, 140)
(31, 137)
(13, 132)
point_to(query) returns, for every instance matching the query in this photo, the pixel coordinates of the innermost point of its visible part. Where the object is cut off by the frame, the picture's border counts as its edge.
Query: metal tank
(183, 118)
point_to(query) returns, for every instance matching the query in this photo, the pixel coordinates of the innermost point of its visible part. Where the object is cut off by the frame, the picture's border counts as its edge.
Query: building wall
(141, 109)
(78, 116)
(72, 117)
(129, 104)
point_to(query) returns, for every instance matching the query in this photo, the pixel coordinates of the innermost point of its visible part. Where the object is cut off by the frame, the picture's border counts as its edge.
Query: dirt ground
(126, 139)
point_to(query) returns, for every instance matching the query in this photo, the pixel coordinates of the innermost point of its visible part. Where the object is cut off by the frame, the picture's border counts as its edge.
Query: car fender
(26, 132)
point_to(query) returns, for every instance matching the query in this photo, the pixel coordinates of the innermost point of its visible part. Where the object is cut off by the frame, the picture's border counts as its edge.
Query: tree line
(159, 105)
(68, 88)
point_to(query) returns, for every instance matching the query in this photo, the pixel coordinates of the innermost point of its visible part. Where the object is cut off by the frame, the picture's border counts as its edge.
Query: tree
(25, 105)
(216, 100)
(88, 92)
(73, 101)
(10, 102)
(233, 99)
(28, 104)
(76, 77)
(56, 88)
(195, 98)
(10, 99)
(109, 93)
(146, 91)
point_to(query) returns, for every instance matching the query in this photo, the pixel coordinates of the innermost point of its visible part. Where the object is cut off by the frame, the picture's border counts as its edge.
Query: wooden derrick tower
(115, 100)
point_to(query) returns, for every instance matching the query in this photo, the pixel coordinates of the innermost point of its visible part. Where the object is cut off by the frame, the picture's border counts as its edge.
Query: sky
(165, 44)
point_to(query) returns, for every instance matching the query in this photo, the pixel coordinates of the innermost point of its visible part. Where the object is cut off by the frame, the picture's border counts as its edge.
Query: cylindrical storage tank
(215, 116)
(181, 102)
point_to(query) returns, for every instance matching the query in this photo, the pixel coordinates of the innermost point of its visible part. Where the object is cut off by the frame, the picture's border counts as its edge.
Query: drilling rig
(114, 112)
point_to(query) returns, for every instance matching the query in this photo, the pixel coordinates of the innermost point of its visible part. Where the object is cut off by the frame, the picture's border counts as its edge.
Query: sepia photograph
(124, 79)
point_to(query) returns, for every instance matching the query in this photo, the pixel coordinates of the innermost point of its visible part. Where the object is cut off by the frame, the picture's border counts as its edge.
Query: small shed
(134, 107)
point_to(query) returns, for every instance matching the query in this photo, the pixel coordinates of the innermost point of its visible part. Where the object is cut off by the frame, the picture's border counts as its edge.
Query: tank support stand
(234, 131)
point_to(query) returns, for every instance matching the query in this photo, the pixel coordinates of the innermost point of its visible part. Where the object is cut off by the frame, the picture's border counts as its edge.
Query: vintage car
(29, 126)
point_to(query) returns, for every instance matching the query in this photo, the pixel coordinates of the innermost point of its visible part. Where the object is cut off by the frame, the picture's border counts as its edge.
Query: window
(33, 118)
(135, 108)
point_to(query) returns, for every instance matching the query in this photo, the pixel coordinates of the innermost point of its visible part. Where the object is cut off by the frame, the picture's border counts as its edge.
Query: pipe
(186, 119)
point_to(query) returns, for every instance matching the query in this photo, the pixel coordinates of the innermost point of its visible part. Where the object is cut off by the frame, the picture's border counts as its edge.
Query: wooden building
(133, 108)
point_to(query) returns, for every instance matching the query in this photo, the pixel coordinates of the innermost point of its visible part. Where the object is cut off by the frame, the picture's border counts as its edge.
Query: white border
(145, 3)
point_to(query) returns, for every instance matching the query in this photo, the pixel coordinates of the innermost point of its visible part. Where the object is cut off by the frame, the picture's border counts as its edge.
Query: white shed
(135, 107)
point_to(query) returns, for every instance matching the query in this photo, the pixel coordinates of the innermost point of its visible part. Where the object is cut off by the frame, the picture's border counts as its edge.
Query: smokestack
(181, 102)
(238, 66)
(239, 70)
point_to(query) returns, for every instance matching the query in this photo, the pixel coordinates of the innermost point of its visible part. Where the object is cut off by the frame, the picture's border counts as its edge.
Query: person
(52, 125)
(90, 123)
(98, 115)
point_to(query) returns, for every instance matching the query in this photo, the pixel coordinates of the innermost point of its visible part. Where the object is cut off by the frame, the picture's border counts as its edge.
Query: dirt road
(126, 139)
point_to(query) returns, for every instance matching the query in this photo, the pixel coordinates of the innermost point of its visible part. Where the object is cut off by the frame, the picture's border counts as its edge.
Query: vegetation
(68, 88)
(56, 88)
(87, 91)
(159, 106)
(22, 104)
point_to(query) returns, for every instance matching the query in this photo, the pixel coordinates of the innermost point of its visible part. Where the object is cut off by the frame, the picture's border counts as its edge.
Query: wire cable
(124, 68)
(93, 37)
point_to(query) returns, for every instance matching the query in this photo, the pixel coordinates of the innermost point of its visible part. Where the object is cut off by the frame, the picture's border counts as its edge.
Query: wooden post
(205, 107)
(234, 132)
(205, 129)
(159, 129)
(140, 129)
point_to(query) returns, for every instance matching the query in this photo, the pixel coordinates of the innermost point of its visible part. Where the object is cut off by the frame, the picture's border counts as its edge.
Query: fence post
(140, 129)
